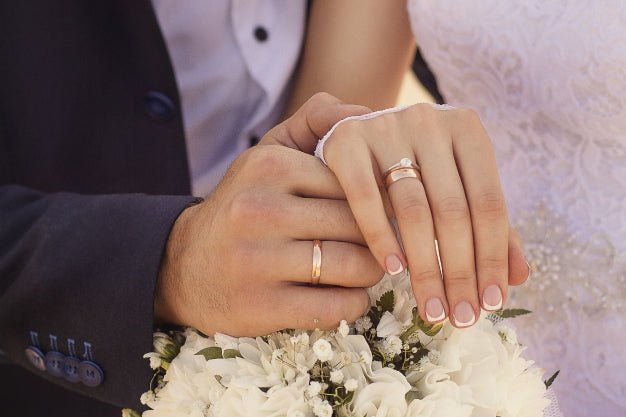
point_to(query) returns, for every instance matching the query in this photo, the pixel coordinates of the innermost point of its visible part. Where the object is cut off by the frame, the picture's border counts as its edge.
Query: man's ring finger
(316, 272)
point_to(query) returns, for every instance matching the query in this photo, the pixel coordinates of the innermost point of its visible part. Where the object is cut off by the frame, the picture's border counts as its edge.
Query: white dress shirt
(233, 60)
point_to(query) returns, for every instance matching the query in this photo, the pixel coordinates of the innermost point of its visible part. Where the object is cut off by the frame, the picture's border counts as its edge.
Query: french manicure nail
(464, 314)
(530, 271)
(434, 310)
(393, 264)
(492, 298)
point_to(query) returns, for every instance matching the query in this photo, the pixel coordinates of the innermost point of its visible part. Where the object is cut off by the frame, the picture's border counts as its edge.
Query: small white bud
(336, 377)
(323, 409)
(351, 385)
(313, 389)
(343, 328)
(323, 350)
(146, 397)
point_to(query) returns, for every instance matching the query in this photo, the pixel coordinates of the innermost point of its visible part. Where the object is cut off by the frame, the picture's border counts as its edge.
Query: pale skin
(359, 51)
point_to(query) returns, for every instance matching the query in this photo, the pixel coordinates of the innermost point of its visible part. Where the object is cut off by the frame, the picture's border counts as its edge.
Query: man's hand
(240, 263)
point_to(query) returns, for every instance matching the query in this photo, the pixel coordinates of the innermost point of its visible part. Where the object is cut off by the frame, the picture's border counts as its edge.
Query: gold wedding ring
(316, 272)
(403, 169)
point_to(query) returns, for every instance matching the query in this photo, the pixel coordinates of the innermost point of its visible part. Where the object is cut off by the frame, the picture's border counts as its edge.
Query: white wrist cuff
(319, 150)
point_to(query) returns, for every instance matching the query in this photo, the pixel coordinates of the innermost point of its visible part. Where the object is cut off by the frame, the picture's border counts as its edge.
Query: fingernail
(394, 265)
(530, 271)
(492, 298)
(434, 310)
(464, 314)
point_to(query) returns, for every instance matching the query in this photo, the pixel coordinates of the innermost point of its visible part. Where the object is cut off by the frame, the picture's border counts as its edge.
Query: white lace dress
(549, 80)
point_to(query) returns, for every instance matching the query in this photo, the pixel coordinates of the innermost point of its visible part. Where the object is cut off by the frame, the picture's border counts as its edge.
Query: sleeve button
(54, 363)
(70, 369)
(260, 33)
(90, 373)
(159, 106)
(35, 357)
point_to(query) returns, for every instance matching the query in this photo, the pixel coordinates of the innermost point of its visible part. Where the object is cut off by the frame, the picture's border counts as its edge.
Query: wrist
(168, 305)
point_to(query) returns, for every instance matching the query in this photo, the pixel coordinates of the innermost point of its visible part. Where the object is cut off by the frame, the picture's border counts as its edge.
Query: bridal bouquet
(388, 363)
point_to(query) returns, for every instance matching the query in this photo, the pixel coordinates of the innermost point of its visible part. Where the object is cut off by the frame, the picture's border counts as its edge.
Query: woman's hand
(458, 202)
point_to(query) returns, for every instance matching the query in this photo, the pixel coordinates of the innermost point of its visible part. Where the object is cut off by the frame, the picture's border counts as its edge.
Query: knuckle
(425, 116)
(347, 131)
(250, 206)
(420, 111)
(453, 209)
(494, 264)
(468, 120)
(266, 161)
(491, 204)
(322, 98)
(413, 209)
(468, 115)
(459, 277)
(375, 237)
(359, 188)
(425, 276)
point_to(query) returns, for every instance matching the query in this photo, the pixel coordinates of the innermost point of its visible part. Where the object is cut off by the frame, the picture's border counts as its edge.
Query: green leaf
(231, 353)
(550, 380)
(211, 353)
(511, 312)
(386, 301)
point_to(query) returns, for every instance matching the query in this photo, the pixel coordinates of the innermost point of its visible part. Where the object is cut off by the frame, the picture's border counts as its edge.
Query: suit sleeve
(83, 268)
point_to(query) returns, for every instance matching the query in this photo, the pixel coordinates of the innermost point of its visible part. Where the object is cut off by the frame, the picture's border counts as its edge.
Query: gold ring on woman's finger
(406, 168)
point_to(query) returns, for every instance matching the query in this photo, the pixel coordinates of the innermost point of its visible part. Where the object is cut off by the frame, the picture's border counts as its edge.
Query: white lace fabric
(549, 81)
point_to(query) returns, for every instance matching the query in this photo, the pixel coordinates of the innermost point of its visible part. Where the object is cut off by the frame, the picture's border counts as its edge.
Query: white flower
(278, 353)
(313, 402)
(155, 359)
(477, 370)
(165, 346)
(363, 324)
(323, 409)
(323, 350)
(155, 363)
(351, 385)
(392, 345)
(383, 396)
(225, 341)
(313, 389)
(434, 355)
(336, 376)
(488, 371)
(343, 329)
(439, 407)
(146, 397)
(388, 326)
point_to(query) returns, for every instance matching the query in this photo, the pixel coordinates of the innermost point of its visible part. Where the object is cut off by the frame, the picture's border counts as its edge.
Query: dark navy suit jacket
(93, 173)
